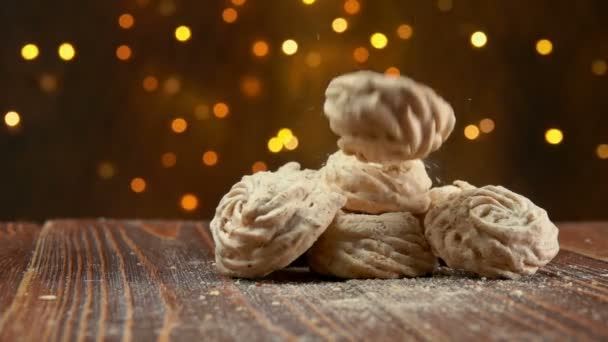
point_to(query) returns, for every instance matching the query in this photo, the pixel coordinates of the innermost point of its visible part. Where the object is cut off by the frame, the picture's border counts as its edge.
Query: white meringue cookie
(443, 193)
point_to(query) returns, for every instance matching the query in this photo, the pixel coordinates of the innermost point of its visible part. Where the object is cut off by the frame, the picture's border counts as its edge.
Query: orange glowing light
(210, 158)
(221, 110)
(259, 166)
(361, 54)
(189, 202)
(352, 7)
(138, 185)
(126, 21)
(168, 159)
(123, 52)
(150, 83)
(179, 125)
(260, 48)
(230, 15)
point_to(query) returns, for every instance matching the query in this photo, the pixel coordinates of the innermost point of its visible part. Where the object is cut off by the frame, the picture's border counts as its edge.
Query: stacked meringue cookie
(370, 212)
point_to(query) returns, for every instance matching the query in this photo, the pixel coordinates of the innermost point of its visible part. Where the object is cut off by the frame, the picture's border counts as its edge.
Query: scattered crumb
(139, 264)
(569, 284)
(588, 240)
(275, 303)
(335, 288)
(517, 293)
(47, 297)
(240, 308)
(201, 297)
(214, 293)
(172, 267)
(484, 278)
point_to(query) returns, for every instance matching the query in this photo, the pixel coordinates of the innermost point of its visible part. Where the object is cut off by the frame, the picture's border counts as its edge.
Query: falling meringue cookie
(386, 119)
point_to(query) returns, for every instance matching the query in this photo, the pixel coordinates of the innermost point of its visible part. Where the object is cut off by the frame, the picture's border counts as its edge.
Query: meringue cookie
(386, 119)
(442, 193)
(493, 232)
(268, 219)
(390, 245)
(376, 188)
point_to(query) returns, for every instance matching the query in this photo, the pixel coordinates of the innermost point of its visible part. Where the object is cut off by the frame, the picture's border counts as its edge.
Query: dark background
(98, 115)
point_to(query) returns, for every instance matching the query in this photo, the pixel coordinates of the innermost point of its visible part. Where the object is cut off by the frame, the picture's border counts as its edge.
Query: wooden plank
(153, 280)
(587, 238)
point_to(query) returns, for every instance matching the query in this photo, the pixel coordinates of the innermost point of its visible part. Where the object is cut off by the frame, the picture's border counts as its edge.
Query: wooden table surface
(155, 280)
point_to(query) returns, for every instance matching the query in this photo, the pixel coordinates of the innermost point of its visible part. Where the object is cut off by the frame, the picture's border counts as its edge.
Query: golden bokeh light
(201, 111)
(308, 2)
(275, 145)
(599, 67)
(486, 125)
(602, 151)
(238, 2)
(289, 47)
(29, 52)
(361, 54)
(260, 48)
(230, 15)
(405, 31)
(339, 25)
(544, 47)
(179, 125)
(66, 51)
(221, 110)
(392, 72)
(126, 21)
(172, 85)
(183, 33)
(251, 86)
(352, 7)
(292, 143)
(123, 52)
(471, 132)
(313, 59)
(166, 7)
(48, 83)
(554, 136)
(138, 185)
(444, 5)
(12, 119)
(284, 135)
(150, 83)
(210, 158)
(189, 202)
(378, 40)
(106, 170)
(168, 159)
(479, 39)
(259, 166)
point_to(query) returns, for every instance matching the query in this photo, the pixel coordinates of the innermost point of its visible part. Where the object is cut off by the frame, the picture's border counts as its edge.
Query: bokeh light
(308, 2)
(150, 83)
(599, 67)
(123, 52)
(66, 51)
(168, 159)
(189, 202)
(285, 134)
(12, 119)
(602, 151)
(544, 47)
(238, 2)
(179, 125)
(260, 48)
(230, 15)
(210, 158)
(361, 54)
(292, 143)
(106, 170)
(444, 5)
(471, 132)
(172, 85)
(352, 7)
(479, 39)
(259, 166)
(313, 59)
(392, 72)
(378, 40)
(48, 83)
(138, 185)
(339, 25)
(126, 21)
(554, 136)
(29, 52)
(221, 110)
(405, 31)
(486, 125)
(201, 111)
(251, 86)
(275, 145)
(183, 33)
(289, 47)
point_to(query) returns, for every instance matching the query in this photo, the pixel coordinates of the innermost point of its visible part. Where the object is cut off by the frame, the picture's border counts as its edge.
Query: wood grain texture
(590, 238)
(106, 280)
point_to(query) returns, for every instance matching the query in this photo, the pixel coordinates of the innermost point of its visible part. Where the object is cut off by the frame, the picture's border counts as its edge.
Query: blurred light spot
(251, 86)
(352, 7)
(166, 7)
(48, 83)
(544, 47)
(284, 135)
(172, 85)
(486, 125)
(168, 159)
(12, 119)
(292, 143)
(599, 67)
(554, 136)
(179, 125)
(210, 158)
(126, 21)
(275, 145)
(220, 110)
(150, 83)
(313, 59)
(123, 52)
(378, 40)
(230, 15)
(106, 170)
(471, 132)
(201, 112)
(259, 166)
(479, 39)
(339, 25)
(183, 33)
(66, 51)
(444, 5)
(361, 55)
(405, 31)
(392, 71)
(289, 47)
(138, 185)
(29, 52)
(260, 48)
(142, 3)
(189, 202)
(602, 151)
(238, 2)
(308, 2)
